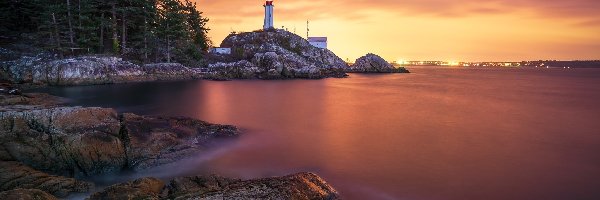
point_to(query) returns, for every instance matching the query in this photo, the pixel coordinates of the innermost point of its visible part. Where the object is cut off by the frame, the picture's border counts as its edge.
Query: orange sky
(448, 30)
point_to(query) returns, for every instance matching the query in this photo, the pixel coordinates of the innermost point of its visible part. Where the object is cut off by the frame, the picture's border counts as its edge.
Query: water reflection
(433, 134)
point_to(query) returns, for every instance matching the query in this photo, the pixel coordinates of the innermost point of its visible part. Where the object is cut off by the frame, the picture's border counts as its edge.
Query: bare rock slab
(297, 186)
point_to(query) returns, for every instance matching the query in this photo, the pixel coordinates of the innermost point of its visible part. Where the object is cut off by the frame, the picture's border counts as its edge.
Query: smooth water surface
(434, 134)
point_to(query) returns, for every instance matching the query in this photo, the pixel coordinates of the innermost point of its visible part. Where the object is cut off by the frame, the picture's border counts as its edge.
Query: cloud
(352, 9)
(464, 29)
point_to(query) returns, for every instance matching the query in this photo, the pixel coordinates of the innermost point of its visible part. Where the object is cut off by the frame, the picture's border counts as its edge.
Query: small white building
(319, 42)
(220, 50)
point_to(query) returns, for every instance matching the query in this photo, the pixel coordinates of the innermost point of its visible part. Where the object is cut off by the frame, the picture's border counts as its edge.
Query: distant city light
(534, 64)
(401, 61)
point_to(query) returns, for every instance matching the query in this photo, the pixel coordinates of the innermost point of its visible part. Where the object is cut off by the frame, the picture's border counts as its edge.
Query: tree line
(142, 30)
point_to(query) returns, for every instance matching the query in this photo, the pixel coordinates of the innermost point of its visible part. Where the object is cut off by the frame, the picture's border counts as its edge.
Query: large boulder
(278, 54)
(296, 186)
(372, 63)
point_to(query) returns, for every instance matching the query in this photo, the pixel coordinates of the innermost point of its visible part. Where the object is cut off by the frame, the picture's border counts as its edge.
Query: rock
(297, 186)
(14, 175)
(372, 63)
(26, 194)
(153, 141)
(69, 141)
(242, 69)
(171, 71)
(276, 54)
(81, 142)
(90, 70)
(28, 101)
(144, 188)
(85, 70)
(7, 88)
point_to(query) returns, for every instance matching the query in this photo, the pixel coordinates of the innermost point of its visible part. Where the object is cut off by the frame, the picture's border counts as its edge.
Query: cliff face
(275, 54)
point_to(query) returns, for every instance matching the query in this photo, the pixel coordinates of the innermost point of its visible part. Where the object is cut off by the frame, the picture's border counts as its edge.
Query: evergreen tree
(167, 30)
(171, 24)
(197, 26)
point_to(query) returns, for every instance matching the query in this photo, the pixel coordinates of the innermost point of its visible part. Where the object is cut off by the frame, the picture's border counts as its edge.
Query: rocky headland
(263, 54)
(47, 149)
(274, 54)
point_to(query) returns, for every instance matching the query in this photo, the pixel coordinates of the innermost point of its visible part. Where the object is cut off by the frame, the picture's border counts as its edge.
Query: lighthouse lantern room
(268, 15)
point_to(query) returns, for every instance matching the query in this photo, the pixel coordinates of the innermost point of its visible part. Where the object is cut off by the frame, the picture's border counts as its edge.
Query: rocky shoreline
(48, 148)
(90, 70)
(272, 54)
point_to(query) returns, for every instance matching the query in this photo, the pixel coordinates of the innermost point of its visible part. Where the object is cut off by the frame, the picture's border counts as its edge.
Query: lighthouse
(268, 15)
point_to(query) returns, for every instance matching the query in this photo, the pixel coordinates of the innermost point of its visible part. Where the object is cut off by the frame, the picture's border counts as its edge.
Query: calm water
(433, 134)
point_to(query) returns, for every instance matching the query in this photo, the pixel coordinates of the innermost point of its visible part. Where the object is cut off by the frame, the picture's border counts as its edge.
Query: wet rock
(28, 101)
(297, 186)
(277, 54)
(372, 63)
(26, 194)
(153, 141)
(6, 88)
(144, 188)
(196, 186)
(11, 99)
(14, 175)
(69, 141)
(80, 142)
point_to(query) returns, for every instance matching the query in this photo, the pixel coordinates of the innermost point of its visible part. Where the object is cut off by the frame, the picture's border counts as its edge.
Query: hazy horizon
(464, 30)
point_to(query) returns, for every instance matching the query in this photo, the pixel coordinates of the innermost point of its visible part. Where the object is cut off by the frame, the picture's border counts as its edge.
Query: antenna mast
(307, 29)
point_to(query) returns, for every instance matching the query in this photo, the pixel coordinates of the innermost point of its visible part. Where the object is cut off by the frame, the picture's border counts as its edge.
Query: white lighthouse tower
(268, 15)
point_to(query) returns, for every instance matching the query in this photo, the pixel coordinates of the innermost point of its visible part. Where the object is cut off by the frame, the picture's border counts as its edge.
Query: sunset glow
(467, 30)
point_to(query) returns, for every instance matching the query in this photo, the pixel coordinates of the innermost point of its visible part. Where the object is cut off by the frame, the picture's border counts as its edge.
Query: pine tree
(197, 26)
(171, 24)
(167, 30)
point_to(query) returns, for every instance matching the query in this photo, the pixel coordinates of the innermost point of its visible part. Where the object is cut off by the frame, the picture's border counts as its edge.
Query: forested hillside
(139, 30)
